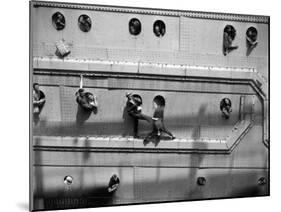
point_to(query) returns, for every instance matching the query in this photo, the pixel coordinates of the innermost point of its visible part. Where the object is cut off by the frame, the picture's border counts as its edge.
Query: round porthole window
(68, 180)
(134, 26)
(261, 181)
(159, 100)
(85, 23)
(159, 28)
(252, 34)
(230, 31)
(225, 107)
(201, 181)
(58, 21)
(229, 34)
(113, 183)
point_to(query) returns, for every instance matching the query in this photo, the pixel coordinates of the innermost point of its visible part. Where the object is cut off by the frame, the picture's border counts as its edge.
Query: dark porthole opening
(225, 107)
(58, 21)
(252, 34)
(159, 100)
(68, 180)
(134, 26)
(229, 34)
(159, 28)
(201, 181)
(84, 23)
(262, 181)
(113, 184)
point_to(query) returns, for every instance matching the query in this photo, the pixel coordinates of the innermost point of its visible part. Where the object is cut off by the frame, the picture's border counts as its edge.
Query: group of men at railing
(88, 102)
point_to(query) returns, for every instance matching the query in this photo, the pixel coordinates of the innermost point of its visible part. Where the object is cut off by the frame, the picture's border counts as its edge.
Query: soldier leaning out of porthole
(134, 109)
(158, 120)
(251, 39)
(59, 20)
(229, 35)
(87, 100)
(159, 28)
(225, 107)
(113, 183)
(38, 102)
(134, 26)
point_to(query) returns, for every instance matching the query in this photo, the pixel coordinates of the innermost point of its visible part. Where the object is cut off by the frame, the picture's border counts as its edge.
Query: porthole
(252, 34)
(229, 34)
(225, 107)
(68, 180)
(230, 31)
(201, 181)
(159, 28)
(159, 100)
(134, 26)
(261, 181)
(58, 21)
(113, 184)
(85, 23)
(251, 39)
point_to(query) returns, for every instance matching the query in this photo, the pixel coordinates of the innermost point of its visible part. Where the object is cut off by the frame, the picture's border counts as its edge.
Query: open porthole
(134, 26)
(68, 180)
(225, 107)
(159, 101)
(58, 21)
(261, 181)
(201, 181)
(229, 34)
(113, 184)
(251, 39)
(84, 23)
(159, 28)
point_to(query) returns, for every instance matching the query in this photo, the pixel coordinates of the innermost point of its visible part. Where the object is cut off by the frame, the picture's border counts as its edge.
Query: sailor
(159, 29)
(225, 107)
(86, 100)
(113, 183)
(229, 34)
(135, 27)
(251, 38)
(38, 102)
(134, 109)
(158, 120)
(84, 23)
(59, 21)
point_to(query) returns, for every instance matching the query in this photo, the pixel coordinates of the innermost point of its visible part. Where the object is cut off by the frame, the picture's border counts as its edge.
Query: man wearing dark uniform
(113, 183)
(86, 100)
(229, 34)
(225, 107)
(134, 108)
(158, 119)
(38, 102)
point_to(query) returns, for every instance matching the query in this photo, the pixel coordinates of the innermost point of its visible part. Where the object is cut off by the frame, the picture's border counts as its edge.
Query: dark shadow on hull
(82, 115)
(90, 198)
(128, 123)
(125, 127)
(98, 196)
